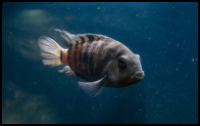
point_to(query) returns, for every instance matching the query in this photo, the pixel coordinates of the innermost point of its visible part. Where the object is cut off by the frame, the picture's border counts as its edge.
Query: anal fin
(94, 88)
(67, 70)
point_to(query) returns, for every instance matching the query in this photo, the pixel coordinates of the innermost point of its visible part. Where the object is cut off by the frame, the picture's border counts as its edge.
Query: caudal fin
(51, 52)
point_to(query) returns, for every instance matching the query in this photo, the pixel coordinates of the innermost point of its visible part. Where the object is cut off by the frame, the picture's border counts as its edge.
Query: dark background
(165, 35)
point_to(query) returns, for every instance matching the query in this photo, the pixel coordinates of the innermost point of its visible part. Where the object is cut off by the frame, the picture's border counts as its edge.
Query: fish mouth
(138, 75)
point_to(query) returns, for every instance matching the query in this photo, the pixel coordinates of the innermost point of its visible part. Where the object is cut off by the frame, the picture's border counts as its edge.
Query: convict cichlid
(99, 59)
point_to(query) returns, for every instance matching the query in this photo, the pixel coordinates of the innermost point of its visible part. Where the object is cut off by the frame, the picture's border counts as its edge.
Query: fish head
(125, 70)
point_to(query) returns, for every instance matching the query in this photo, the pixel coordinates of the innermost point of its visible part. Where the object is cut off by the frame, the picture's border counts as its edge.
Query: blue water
(165, 35)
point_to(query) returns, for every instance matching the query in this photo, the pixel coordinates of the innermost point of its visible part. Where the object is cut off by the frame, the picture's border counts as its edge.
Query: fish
(97, 59)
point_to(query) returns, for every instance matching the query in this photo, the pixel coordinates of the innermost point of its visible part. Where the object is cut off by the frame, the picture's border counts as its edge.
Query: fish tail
(51, 52)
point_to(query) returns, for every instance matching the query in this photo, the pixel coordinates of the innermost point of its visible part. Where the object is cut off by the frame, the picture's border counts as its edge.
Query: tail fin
(51, 52)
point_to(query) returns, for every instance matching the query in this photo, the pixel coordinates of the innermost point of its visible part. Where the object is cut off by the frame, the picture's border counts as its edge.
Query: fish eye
(121, 63)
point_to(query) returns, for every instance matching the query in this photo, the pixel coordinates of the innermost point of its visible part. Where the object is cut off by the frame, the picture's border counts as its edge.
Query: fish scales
(88, 52)
(109, 55)
(84, 59)
(79, 55)
(87, 58)
(98, 56)
(72, 51)
(100, 49)
(96, 59)
(75, 54)
(93, 57)
(89, 61)
(78, 69)
(88, 48)
(101, 55)
(77, 60)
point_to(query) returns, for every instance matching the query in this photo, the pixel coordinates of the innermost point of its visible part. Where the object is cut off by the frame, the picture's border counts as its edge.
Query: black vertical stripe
(85, 59)
(81, 62)
(80, 54)
(100, 51)
(76, 47)
(90, 37)
(61, 56)
(103, 45)
(69, 54)
(75, 53)
(91, 59)
(82, 39)
(80, 57)
(78, 68)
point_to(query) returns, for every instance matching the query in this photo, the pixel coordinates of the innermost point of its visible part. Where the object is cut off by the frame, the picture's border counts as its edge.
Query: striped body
(99, 59)
(90, 54)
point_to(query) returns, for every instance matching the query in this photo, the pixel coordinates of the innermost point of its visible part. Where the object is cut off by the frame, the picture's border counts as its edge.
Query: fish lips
(139, 75)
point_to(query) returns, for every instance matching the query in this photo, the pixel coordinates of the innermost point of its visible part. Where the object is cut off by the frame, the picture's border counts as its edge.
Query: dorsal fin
(72, 39)
(69, 38)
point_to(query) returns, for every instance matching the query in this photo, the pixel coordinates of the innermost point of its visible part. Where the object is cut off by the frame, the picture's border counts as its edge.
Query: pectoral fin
(94, 88)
